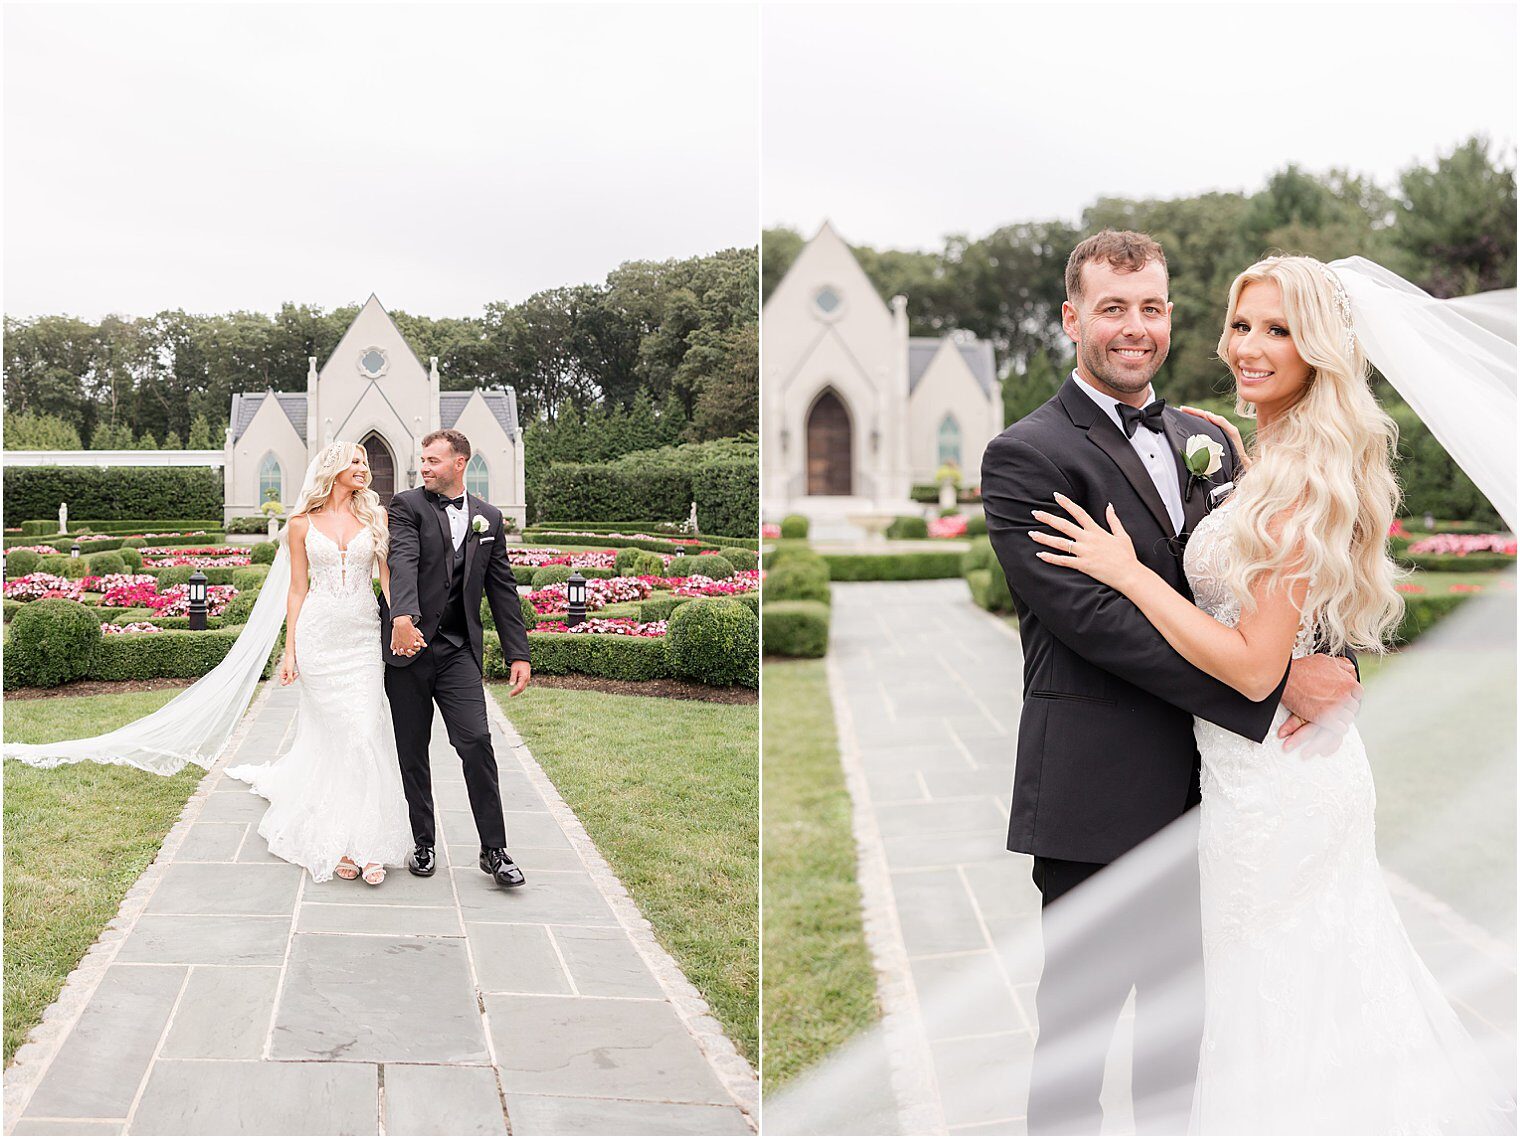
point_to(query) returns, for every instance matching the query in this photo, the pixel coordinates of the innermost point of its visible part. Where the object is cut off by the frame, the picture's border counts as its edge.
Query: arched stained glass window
(271, 479)
(477, 478)
(950, 442)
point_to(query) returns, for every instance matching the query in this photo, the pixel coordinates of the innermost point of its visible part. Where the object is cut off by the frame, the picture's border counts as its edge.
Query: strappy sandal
(374, 874)
(346, 869)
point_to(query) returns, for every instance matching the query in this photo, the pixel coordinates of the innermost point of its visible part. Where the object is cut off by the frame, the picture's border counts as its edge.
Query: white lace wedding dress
(337, 791)
(1319, 1016)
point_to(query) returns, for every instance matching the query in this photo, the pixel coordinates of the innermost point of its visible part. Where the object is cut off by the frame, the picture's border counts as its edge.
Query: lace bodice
(339, 572)
(1206, 561)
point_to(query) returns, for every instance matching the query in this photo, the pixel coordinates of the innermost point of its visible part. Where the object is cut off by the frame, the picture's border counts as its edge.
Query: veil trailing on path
(195, 726)
(1452, 360)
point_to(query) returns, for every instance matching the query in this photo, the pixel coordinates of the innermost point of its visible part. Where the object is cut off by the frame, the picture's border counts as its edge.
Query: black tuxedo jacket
(421, 556)
(1106, 755)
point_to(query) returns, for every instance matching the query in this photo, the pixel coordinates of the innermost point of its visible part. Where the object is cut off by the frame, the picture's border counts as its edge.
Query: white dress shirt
(458, 518)
(1154, 450)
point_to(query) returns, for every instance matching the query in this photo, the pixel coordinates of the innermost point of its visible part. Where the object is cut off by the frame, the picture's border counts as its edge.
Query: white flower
(1204, 455)
(479, 524)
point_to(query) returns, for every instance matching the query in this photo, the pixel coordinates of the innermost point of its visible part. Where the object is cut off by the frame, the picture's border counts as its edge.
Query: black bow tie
(440, 499)
(1130, 417)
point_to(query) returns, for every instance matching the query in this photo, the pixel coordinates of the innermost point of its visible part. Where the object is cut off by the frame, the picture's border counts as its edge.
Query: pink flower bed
(538, 558)
(137, 627)
(770, 532)
(1411, 589)
(40, 550)
(1462, 544)
(218, 596)
(1467, 588)
(599, 593)
(948, 526)
(745, 580)
(1397, 529)
(43, 586)
(605, 626)
(206, 557)
(150, 536)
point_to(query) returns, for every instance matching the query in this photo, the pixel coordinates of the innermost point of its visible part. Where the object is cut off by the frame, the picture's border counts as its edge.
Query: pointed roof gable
(827, 245)
(976, 352)
(246, 405)
(372, 305)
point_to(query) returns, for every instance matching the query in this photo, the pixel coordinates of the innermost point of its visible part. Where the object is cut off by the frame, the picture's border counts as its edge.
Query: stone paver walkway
(926, 688)
(233, 995)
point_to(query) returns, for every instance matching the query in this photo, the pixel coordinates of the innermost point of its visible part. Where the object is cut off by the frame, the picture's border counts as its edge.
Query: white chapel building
(855, 411)
(374, 391)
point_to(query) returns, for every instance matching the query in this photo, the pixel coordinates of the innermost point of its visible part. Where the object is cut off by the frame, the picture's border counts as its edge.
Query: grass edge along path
(77, 838)
(819, 983)
(668, 791)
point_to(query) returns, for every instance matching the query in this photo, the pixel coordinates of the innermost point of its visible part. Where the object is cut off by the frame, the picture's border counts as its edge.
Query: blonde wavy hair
(1322, 476)
(332, 460)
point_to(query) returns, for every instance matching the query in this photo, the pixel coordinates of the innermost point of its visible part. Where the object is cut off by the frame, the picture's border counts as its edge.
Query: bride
(1319, 1015)
(336, 804)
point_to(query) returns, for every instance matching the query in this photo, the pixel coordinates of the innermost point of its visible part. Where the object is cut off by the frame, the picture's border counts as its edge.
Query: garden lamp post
(575, 598)
(74, 550)
(197, 601)
(680, 550)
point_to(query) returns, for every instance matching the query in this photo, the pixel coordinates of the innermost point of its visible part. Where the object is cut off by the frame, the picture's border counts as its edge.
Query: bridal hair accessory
(1342, 303)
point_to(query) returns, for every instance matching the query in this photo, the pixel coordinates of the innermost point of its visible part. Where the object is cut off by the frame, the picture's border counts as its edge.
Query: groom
(1106, 754)
(446, 547)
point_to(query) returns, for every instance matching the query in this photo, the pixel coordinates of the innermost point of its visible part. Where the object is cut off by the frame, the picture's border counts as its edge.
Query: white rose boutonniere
(479, 525)
(1204, 457)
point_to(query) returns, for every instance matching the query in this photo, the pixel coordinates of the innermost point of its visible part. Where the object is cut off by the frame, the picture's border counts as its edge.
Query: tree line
(671, 345)
(1448, 226)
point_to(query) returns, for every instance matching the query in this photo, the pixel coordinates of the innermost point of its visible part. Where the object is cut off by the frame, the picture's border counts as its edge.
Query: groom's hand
(1323, 696)
(405, 639)
(520, 674)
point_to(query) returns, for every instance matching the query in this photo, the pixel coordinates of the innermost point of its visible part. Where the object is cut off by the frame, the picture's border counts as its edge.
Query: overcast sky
(904, 123)
(217, 157)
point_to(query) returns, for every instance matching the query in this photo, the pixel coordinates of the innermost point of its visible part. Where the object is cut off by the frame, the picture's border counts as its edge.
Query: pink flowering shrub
(1397, 529)
(770, 532)
(745, 580)
(218, 596)
(131, 591)
(40, 550)
(605, 626)
(1467, 588)
(599, 593)
(1411, 589)
(43, 586)
(207, 557)
(954, 526)
(137, 627)
(1464, 544)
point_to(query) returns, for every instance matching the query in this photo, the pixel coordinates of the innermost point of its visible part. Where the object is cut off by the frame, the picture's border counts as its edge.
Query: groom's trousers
(1098, 946)
(449, 676)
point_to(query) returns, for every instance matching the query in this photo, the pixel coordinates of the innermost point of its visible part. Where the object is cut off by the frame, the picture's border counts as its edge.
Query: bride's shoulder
(298, 524)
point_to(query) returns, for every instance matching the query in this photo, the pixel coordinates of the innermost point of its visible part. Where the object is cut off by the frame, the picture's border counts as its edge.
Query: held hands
(1086, 546)
(405, 639)
(1322, 696)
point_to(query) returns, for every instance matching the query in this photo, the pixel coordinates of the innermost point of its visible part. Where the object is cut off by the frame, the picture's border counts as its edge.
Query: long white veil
(1452, 360)
(195, 726)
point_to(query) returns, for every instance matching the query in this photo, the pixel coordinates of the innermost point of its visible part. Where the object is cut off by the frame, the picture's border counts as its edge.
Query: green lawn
(820, 988)
(669, 792)
(76, 839)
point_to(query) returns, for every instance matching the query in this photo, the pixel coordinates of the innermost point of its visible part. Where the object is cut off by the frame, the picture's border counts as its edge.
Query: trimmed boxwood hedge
(1450, 562)
(716, 567)
(795, 628)
(794, 527)
(155, 655)
(51, 642)
(690, 544)
(727, 494)
(611, 657)
(747, 559)
(107, 564)
(49, 526)
(715, 641)
(893, 566)
(115, 492)
(1422, 611)
(908, 529)
(662, 604)
(180, 574)
(551, 574)
(798, 580)
(989, 588)
(21, 563)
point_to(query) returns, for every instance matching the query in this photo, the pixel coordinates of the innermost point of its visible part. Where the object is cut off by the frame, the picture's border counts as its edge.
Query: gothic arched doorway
(382, 468)
(829, 462)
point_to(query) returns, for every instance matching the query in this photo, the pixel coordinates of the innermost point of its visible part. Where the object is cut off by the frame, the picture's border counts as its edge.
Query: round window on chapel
(373, 362)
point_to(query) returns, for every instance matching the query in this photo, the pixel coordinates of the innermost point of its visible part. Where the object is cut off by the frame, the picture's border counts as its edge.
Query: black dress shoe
(422, 864)
(495, 862)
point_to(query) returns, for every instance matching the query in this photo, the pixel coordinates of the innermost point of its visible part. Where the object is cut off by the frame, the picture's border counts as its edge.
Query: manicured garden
(76, 839)
(669, 791)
